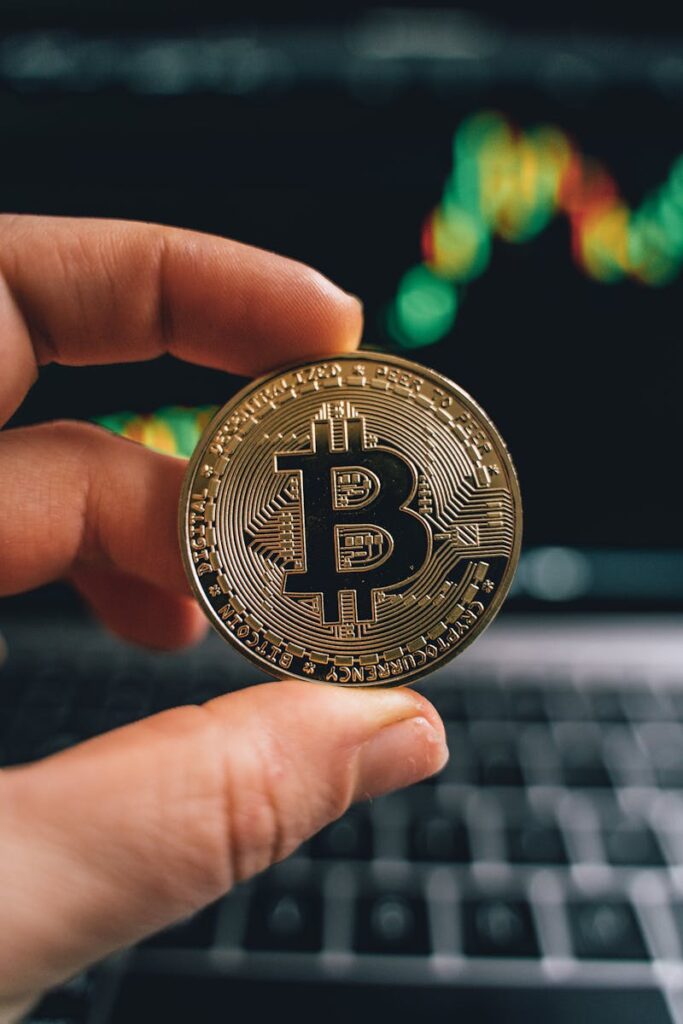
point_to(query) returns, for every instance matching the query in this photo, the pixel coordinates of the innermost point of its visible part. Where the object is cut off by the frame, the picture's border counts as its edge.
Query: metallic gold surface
(355, 520)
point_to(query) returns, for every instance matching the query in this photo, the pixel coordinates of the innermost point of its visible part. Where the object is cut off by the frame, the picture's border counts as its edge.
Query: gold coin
(354, 520)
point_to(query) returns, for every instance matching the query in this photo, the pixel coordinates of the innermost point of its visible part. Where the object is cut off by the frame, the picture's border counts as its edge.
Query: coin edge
(410, 678)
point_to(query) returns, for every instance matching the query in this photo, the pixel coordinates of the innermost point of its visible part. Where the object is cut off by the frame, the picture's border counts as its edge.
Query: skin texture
(110, 841)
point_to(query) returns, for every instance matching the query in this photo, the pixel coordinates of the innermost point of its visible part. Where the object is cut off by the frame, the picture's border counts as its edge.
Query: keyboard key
(495, 750)
(606, 705)
(526, 705)
(350, 838)
(461, 766)
(499, 928)
(645, 705)
(195, 933)
(539, 754)
(202, 1000)
(632, 845)
(499, 765)
(450, 705)
(566, 703)
(677, 911)
(663, 743)
(581, 755)
(669, 777)
(285, 920)
(675, 699)
(68, 1004)
(485, 703)
(393, 924)
(430, 781)
(628, 762)
(605, 930)
(536, 844)
(438, 838)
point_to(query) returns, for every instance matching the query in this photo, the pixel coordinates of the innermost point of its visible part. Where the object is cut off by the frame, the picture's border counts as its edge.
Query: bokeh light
(173, 431)
(510, 184)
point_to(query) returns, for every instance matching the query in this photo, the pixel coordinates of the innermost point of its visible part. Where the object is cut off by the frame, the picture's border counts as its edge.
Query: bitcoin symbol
(360, 536)
(372, 548)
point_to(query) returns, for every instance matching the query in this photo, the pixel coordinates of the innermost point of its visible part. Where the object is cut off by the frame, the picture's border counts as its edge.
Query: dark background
(335, 158)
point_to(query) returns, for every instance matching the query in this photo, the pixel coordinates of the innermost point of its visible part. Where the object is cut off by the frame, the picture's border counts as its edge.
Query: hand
(109, 841)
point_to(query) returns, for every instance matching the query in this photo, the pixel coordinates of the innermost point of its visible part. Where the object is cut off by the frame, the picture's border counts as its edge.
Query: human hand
(122, 835)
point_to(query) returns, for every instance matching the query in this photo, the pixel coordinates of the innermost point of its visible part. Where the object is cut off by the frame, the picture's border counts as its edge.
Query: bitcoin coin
(354, 520)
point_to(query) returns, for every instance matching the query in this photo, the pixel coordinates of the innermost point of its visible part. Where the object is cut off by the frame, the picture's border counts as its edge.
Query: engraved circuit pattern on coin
(355, 520)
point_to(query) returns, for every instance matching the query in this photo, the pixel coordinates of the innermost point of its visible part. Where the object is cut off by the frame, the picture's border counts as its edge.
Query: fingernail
(355, 325)
(401, 754)
(378, 708)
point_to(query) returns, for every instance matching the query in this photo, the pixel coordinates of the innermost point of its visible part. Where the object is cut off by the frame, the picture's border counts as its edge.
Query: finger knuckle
(73, 432)
(191, 809)
(274, 798)
(255, 828)
(228, 811)
(275, 801)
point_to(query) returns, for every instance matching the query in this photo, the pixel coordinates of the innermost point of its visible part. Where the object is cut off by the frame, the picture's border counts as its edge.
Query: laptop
(508, 205)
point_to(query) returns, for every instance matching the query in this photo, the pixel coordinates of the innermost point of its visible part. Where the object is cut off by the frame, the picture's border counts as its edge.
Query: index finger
(83, 291)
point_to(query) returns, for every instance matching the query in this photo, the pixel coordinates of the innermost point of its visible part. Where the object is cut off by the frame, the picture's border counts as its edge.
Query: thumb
(122, 835)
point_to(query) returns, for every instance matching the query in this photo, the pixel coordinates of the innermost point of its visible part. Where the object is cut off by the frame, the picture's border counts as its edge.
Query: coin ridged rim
(254, 385)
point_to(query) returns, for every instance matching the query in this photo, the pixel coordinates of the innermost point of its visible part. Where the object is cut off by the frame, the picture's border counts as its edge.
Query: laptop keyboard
(547, 853)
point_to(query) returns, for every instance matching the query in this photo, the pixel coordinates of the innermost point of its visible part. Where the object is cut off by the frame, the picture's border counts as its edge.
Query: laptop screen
(509, 206)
